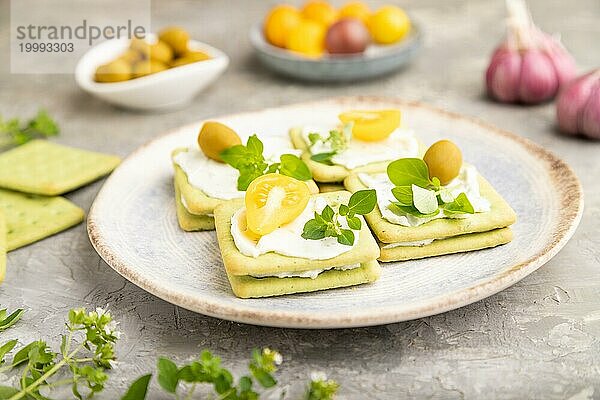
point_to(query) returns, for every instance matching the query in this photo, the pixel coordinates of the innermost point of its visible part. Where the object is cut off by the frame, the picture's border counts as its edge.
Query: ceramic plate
(375, 61)
(133, 227)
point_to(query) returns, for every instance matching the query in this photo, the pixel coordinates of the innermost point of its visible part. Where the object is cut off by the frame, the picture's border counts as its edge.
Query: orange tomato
(273, 200)
(389, 24)
(279, 22)
(319, 11)
(355, 9)
(372, 126)
(307, 38)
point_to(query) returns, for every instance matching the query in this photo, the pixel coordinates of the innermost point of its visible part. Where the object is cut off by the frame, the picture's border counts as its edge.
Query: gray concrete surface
(537, 339)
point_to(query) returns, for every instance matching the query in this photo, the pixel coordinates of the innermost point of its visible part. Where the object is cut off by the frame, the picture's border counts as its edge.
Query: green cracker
(249, 287)
(455, 244)
(500, 215)
(30, 218)
(46, 168)
(329, 173)
(197, 202)
(190, 222)
(2, 247)
(272, 263)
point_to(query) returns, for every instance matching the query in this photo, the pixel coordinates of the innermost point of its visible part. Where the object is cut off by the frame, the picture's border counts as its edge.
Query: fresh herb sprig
(321, 388)
(182, 381)
(15, 132)
(327, 223)
(251, 163)
(86, 352)
(420, 196)
(94, 334)
(337, 141)
(7, 320)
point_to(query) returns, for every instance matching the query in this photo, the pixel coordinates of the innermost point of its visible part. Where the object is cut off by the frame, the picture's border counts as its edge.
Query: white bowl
(164, 90)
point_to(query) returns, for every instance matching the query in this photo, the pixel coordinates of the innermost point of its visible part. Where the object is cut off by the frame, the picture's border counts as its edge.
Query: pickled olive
(214, 137)
(190, 57)
(148, 67)
(389, 24)
(347, 36)
(160, 51)
(444, 160)
(131, 56)
(176, 37)
(279, 22)
(115, 71)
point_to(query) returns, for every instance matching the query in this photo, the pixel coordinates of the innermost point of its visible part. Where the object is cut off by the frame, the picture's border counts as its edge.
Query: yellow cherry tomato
(279, 22)
(320, 11)
(273, 200)
(307, 38)
(243, 225)
(355, 9)
(372, 126)
(389, 24)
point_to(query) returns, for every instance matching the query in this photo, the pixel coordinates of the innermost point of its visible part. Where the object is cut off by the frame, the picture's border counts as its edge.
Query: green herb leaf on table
(8, 321)
(251, 164)
(321, 388)
(167, 375)
(327, 224)
(15, 132)
(138, 389)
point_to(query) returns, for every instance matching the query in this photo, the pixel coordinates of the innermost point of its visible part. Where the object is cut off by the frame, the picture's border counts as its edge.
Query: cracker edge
(248, 287)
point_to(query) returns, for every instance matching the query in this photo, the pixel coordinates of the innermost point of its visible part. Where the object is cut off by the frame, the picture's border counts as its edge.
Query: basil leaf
(23, 354)
(236, 156)
(327, 213)
(410, 210)
(12, 319)
(461, 205)
(346, 237)
(167, 375)
(255, 146)
(273, 168)
(6, 348)
(424, 200)
(294, 167)
(354, 223)
(247, 175)
(343, 210)
(408, 171)
(403, 194)
(446, 196)
(314, 137)
(323, 158)
(138, 389)
(362, 202)
(313, 230)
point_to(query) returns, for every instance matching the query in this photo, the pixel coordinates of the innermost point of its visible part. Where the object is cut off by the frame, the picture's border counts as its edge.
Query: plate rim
(571, 198)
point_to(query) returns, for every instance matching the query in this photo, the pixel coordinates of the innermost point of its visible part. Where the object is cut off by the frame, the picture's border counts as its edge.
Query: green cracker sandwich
(450, 235)
(46, 168)
(257, 276)
(30, 218)
(3, 247)
(197, 205)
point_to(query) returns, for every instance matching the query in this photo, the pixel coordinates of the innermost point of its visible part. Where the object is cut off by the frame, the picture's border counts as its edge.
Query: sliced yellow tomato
(273, 200)
(372, 126)
(243, 225)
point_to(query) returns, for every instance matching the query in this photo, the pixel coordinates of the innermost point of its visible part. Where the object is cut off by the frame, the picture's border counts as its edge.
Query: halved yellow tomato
(372, 125)
(273, 200)
(243, 225)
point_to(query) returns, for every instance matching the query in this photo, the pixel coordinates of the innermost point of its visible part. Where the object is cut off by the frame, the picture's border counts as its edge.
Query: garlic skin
(578, 106)
(530, 66)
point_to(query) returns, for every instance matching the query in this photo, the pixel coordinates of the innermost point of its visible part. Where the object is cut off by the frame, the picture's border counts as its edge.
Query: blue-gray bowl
(375, 61)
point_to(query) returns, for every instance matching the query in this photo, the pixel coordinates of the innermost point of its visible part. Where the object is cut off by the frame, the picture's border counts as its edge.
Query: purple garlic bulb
(578, 106)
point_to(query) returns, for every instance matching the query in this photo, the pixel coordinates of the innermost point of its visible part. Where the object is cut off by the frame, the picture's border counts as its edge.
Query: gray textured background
(537, 339)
